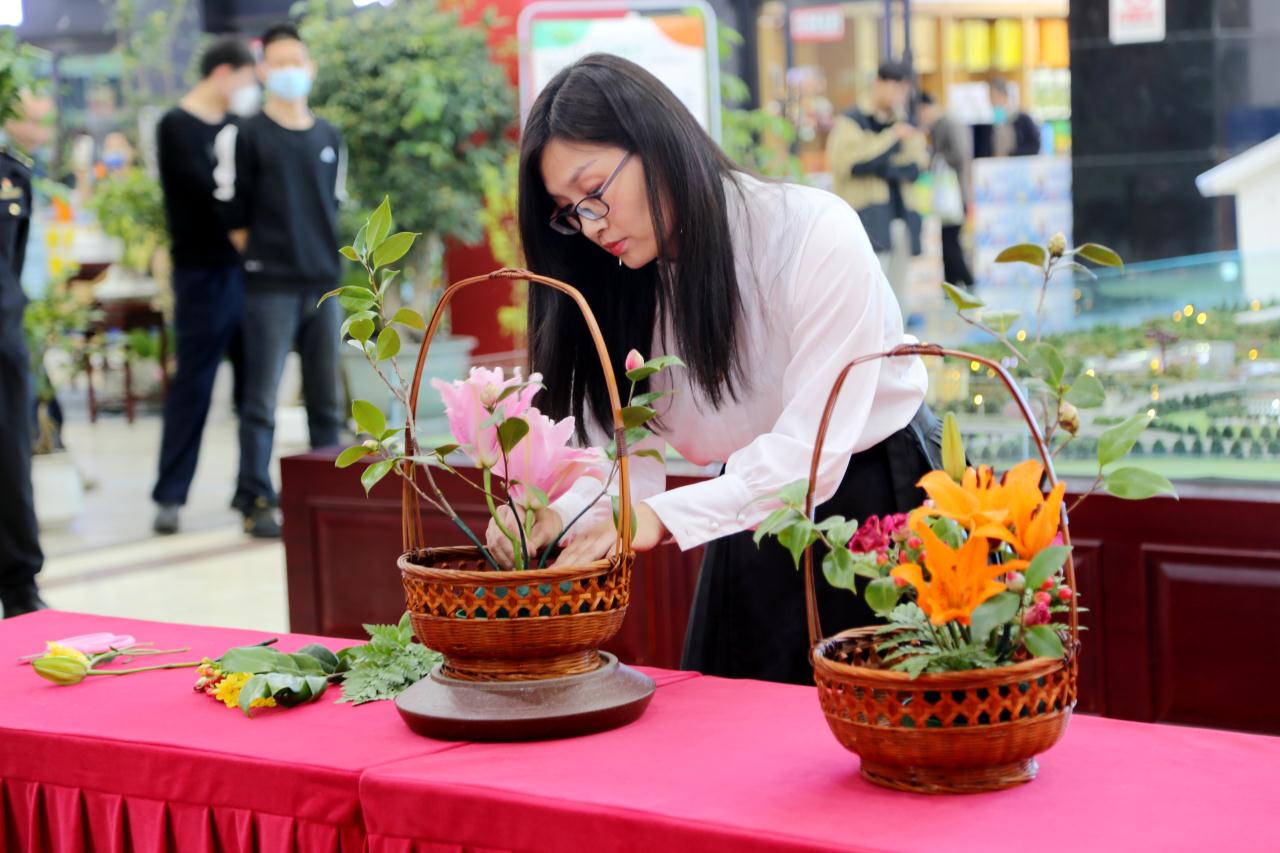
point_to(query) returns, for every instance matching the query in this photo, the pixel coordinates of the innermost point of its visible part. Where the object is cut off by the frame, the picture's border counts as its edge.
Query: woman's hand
(598, 541)
(546, 527)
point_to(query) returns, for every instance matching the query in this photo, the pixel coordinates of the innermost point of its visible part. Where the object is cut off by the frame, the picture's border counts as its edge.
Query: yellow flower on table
(57, 650)
(959, 578)
(228, 691)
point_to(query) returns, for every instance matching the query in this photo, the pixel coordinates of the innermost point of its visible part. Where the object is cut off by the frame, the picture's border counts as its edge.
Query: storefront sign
(817, 24)
(1135, 21)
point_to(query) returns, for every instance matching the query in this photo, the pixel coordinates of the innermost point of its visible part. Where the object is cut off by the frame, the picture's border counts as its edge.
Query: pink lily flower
(634, 360)
(543, 459)
(467, 404)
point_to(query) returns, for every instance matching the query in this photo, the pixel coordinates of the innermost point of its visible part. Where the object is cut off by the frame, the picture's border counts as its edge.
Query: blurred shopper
(20, 555)
(952, 158)
(1015, 134)
(280, 177)
(208, 284)
(875, 155)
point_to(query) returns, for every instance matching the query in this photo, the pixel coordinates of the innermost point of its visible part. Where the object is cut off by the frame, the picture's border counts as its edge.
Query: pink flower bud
(1043, 597)
(634, 361)
(1037, 614)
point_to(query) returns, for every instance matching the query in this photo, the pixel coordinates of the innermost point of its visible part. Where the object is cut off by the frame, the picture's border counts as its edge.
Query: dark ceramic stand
(446, 708)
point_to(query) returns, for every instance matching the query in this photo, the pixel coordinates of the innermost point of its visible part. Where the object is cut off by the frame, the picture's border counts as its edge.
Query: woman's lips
(616, 248)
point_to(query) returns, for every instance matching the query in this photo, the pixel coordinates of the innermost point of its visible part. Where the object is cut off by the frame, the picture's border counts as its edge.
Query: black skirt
(748, 618)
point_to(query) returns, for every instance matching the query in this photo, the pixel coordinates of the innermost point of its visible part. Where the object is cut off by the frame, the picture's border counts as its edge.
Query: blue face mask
(291, 84)
(999, 115)
(113, 161)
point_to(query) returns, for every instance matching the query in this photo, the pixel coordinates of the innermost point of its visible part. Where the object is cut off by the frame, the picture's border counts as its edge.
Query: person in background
(875, 154)
(280, 177)
(1015, 132)
(208, 283)
(952, 159)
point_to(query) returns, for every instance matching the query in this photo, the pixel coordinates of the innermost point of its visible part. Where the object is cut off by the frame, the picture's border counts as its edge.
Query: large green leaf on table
(510, 432)
(1135, 484)
(351, 455)
(1027, 253)
(1000, 321)
(328, 660)
(380, 223)
(251, 659)
(1086, 392)
(1048, 364)
(991, 614)
(1043, 641)
(393, 248)
(255, 688)
(1119, 439)
(962, 299)
(368, 417)
(371, 476)
(797, 537)
(410, 318)
(882, 595)
(306, 663)
(1100, 255)
(634, 416)
(837, 568)
(1045, 565)
(793, 494)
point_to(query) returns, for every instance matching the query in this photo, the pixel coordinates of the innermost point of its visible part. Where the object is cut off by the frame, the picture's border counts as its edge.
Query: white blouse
(813, 298)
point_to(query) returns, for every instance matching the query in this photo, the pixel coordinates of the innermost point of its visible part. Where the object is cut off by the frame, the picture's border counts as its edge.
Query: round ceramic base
(446, 708)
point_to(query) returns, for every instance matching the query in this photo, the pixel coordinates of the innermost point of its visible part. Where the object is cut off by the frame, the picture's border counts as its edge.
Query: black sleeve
(235, 169)
(878, 165)
(181, 162)
(1026, 136)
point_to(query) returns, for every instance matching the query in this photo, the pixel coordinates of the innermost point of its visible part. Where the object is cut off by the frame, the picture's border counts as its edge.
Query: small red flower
(1064, 593)
(1043, 597)
(1048, 584)
(899, 582)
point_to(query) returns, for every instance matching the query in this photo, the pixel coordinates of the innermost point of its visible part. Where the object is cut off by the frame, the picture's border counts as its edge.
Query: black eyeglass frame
(568, 219)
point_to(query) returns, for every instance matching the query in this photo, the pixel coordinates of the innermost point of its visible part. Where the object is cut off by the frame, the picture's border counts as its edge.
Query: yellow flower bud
(1057, 245)
(1068, 417)
(953, 461)
(61, 669)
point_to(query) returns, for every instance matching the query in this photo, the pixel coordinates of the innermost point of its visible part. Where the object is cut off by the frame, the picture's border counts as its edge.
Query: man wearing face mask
(280, 178)
(208, 283)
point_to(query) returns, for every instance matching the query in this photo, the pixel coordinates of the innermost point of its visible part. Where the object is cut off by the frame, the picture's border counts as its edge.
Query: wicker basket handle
(810, 591)
(411, 517)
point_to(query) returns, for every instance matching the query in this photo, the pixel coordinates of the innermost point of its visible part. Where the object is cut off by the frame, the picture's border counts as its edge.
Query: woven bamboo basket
(954, 732)
(515, 625)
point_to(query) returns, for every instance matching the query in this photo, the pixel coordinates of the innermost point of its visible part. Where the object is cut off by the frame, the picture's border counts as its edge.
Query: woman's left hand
(598, 541)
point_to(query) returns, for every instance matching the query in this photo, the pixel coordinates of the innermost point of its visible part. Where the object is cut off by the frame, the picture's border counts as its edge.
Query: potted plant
(420, 101)
(520, 646)
(974, 673)
(129, 206)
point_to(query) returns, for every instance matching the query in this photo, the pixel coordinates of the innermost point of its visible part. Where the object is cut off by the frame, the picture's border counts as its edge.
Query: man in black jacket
(279, 178)
(208, 283)
(1015, 133)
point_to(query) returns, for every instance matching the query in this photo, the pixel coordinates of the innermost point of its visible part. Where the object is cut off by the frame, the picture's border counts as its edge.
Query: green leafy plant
(56, 320)
(16, 76)
(383, 667)
(250, 677)
(755, 139)
(129, 205)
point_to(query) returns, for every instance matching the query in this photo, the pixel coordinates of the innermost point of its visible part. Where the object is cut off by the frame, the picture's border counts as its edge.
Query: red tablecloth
(718, 765)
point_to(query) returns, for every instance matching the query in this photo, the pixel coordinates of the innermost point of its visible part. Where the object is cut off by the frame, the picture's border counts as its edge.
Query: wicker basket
(515, 625)
(953, 732)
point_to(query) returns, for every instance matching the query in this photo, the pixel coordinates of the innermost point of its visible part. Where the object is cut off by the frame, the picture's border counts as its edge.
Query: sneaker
(260, 521)
(21, 600)
(166, 521)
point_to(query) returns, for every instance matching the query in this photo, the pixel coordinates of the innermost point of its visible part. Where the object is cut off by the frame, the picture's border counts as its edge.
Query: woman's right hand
(546, 527)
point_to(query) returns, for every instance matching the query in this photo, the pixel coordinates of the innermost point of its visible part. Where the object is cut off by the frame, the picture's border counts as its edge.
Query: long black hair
(605, 100)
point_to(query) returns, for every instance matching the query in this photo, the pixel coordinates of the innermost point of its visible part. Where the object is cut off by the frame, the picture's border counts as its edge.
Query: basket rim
(408, 568)
(943, 680)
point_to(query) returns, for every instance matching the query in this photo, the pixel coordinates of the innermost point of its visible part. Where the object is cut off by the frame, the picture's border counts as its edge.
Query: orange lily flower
(959, 579)
(977, 502)
(1034, 517)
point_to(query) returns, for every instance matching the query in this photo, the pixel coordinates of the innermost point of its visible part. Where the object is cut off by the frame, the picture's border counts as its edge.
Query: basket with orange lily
(974, 673)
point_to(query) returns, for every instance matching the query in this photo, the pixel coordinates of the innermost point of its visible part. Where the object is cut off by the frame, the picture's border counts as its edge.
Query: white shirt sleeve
(835, 308)
(648, 477)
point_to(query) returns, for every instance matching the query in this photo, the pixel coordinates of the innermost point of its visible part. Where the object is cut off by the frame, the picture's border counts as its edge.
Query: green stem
(515, 513)
(493, 512)
(142, 668)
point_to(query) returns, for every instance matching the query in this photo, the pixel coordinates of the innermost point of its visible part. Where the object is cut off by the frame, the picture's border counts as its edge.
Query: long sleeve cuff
(697, 513)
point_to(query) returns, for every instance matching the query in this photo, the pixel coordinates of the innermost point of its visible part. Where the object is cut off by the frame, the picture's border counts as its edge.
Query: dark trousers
(748, 618)
(275, 319)
(955, 270)
(20, 555)
(208, 305)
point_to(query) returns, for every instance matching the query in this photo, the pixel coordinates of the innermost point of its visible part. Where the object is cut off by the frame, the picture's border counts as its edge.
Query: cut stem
(493, 512)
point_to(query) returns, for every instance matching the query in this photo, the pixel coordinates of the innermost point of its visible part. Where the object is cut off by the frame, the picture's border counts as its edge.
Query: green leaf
(306, 663)
(353, 304)
(1080, 268)
(774, 522)
(1119, 439)
(953, 458)
(1136, 484)
(251, 659)
(662, 362)
(1100, 255)
(332, 293)
(351, 455)
(445, 449)
(393, 248)
(511, 431)
(386, 277)
(360, 245)
(1000, 321)
(1046, 361)
(641, 373)
(794, 494)
(837, 567)
(379, 223)
(375, 472)
(328, 660)
(1043, 642)
(797, 538)
(839, 531)
(1027, 253)
(539, 495)
(962, 299)
(652, 454)
(388, 343)
(1087, 392)
(649, 398)
(254, 688)
(353, 318)
(361, 330)
(1045, 565)
(409, 317)
(865, 565)
(350, 253)
(634, 416)
(882, 595)
(368, 417)
(635, 435)
(991, 614)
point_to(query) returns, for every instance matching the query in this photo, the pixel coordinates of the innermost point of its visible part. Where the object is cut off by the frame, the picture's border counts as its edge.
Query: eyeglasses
(593, 207)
